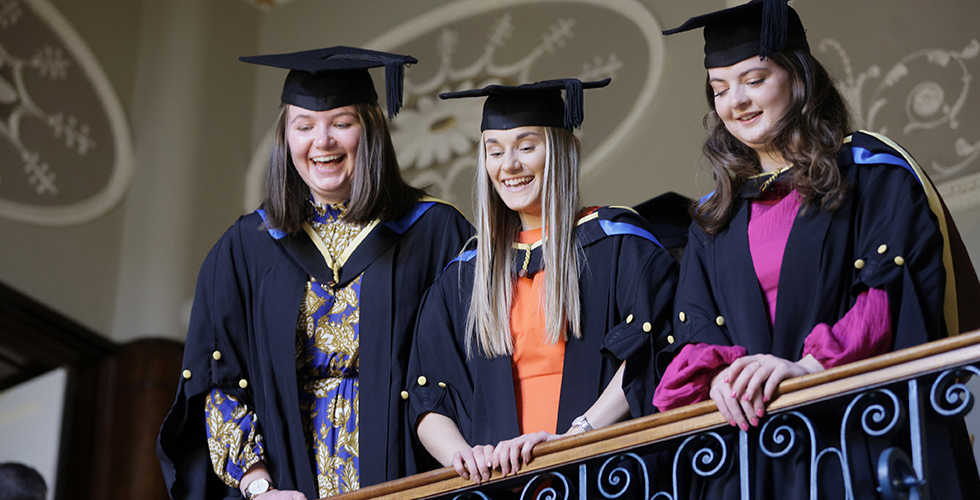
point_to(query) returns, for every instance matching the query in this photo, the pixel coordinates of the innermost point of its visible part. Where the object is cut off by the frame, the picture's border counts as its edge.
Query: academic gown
(884, 235)
(627, 281)
(245, 307)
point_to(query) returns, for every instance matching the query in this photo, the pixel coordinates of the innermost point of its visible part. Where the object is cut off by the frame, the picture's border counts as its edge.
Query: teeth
(325, 159)
(519, 181)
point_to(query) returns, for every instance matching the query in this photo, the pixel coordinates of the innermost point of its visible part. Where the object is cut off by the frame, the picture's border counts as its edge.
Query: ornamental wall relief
(924, 102)
(65, 153)
(473, 43)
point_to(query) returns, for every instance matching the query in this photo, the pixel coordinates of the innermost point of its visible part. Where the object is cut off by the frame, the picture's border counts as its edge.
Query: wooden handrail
(854, 377)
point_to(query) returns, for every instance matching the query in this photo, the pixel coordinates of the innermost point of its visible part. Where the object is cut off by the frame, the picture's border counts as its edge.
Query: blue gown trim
(275, 233)
(615, 228)
(462, 257)
(866, 157)
(401, 225)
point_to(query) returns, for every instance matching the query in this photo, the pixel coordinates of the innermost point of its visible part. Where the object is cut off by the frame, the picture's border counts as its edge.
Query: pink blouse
(863, 332)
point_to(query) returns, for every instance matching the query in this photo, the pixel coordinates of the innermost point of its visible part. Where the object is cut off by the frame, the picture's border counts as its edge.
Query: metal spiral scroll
(779, 430)
(705, 455)
(875, 415)
(957, 399)
(619, 474)
(549, 492)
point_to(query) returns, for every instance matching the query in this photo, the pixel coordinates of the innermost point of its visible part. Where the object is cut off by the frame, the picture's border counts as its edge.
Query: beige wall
(198, 116)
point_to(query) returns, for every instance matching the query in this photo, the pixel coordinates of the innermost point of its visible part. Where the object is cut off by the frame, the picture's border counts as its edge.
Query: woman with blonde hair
(548, 321)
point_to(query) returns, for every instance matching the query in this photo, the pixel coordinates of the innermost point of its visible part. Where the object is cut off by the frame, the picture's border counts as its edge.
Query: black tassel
(394, 86)
(775, 17)
(574, 103)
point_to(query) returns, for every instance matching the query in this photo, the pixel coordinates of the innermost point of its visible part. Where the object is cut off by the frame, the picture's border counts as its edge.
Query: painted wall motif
(65, 153)
(927, 103)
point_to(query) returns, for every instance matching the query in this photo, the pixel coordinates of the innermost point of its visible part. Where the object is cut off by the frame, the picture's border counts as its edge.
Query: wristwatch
(582, 422)
(258, 487)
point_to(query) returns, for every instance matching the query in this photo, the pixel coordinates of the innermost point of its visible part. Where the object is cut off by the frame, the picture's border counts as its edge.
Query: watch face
(258, 486)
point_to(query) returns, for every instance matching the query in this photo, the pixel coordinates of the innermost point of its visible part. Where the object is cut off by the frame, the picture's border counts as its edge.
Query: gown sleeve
(216, 348)
(644, 297)
(439, 381)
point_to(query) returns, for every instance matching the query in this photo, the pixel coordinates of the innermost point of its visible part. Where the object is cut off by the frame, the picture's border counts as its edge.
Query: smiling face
(750, 97)
(323, 147)
(515, 160)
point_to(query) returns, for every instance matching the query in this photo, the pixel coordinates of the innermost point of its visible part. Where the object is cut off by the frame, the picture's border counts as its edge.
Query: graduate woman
(302, 319)
(547, 323)
(844, 226)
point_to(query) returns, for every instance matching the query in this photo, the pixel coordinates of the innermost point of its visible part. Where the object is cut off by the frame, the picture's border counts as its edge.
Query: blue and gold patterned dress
(327, 370)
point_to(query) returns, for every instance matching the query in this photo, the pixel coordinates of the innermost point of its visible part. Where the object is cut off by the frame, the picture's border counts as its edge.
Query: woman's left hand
(762, 373)
(510, 454)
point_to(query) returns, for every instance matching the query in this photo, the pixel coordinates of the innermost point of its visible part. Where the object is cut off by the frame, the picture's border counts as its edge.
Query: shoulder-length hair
(807, 136)
(378, 190)
(488, 323)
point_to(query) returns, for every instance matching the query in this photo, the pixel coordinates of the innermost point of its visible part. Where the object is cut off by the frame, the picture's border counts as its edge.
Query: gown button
(720, 321)
(859, 264)
(422, 380)
(186, 374)
(899, 261)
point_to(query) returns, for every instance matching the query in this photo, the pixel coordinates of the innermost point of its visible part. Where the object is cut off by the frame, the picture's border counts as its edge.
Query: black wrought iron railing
(855, 428)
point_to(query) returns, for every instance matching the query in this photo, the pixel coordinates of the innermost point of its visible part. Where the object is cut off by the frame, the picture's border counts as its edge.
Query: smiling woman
(323, 146)
(510, 339)
(515, 161)
(278, 395)
(819, 247)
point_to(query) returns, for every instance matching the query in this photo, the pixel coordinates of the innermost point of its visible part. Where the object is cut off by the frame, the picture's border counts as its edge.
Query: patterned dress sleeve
(234, 441)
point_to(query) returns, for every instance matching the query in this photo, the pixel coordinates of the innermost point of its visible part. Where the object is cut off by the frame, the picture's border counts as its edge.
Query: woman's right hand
(281, 495)
(474, 463)
(737, 411)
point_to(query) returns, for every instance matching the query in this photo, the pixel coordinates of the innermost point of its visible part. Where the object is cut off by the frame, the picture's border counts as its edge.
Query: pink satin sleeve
(687, 379)
(865, 331)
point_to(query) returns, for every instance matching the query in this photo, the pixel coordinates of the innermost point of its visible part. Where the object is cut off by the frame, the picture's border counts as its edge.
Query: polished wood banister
(834, 382)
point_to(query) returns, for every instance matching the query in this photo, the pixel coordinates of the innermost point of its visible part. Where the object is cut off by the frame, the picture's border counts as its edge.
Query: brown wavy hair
(378, 190)
(807, 136)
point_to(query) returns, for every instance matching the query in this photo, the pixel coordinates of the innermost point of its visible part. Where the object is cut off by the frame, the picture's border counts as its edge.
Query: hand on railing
(509, 455)
(474, 463)
(742, 390)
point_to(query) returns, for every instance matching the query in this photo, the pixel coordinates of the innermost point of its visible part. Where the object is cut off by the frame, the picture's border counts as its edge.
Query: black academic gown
(626, 284)
(246, 306)
(884, 235)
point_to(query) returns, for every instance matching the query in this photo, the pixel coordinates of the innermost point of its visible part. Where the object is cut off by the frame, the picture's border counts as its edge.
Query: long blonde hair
(488, 321)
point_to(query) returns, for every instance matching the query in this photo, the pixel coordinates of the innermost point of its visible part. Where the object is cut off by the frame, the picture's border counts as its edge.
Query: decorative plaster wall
(67, 153)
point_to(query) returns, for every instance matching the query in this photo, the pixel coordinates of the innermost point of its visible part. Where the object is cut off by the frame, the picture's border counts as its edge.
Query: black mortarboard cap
(758, 28)
(669, 216)
(329, 78)
(536, 104)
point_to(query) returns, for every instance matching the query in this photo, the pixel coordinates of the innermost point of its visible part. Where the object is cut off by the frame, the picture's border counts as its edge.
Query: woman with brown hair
(302, 319)
(817, 248)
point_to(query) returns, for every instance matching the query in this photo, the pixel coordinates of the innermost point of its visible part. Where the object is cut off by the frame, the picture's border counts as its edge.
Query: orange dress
(536, 364)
